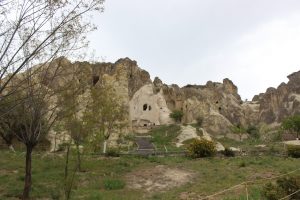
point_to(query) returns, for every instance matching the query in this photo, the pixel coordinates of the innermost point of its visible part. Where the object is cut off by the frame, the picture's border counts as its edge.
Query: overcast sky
(255, 43)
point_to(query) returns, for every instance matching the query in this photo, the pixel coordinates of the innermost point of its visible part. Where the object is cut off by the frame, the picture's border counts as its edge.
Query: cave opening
(95, 80)
(145, 106)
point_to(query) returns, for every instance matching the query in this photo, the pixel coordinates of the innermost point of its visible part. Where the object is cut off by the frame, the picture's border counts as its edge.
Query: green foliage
(199, 120)
(238, 129)
(105, 113)
(253, 131)
(165, 136)
(242, 164)
(228, 152)
(112, 152)
(292, 124)
(283, 187)
(113, 184)
(176, 115)
(201, 148)
(293, 151)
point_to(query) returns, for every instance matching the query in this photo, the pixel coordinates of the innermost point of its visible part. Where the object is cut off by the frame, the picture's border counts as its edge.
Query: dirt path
(158, 178)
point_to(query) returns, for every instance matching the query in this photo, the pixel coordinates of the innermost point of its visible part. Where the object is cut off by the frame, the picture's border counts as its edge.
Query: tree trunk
(66, 188)
(78, 158)
(27, 186)
(104, 146)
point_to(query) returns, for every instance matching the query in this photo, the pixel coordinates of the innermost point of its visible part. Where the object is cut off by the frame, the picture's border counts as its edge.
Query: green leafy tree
(177, 115)
(105, 113)
(292, 124)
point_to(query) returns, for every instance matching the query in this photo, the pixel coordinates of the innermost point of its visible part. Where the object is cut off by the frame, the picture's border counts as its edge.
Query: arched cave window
(149, 108)
(145, 106)
(95, 80)
(217, 102)
(220, 108)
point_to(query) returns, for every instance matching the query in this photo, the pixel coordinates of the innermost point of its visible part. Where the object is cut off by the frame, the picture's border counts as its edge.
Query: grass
(104, 178)
(165, 136)
(113, 184)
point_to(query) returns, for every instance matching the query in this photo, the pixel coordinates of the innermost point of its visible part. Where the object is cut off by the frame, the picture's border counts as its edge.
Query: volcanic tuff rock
(277, 103)
(219, 104)
(150, 102)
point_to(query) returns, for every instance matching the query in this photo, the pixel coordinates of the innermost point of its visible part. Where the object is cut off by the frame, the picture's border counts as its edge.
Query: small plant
(112, 152)
(199, 120)
(228, 152)
(284, 186)
(293, 151)
(292, 124)
(176, 115)
(242, 164)
(201, 148)
(113, 184)
(253, 132)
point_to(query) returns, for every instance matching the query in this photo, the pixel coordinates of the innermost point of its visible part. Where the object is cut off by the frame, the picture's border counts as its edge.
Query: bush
(283, 187)
(199, 120)
(293, 151)
(176, 115)
(113, 184)
(253, 131)
(201, 148)
(112, 152)
(228, 152)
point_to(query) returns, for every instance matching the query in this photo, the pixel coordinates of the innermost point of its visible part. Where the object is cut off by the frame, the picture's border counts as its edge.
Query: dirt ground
(158, 178)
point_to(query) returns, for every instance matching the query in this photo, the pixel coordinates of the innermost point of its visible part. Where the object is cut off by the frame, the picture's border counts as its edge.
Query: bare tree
(33, 33)
(37, 31)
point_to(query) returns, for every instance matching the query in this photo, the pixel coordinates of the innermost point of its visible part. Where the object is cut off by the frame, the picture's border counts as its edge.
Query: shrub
(253, 131)
(201, 148)
(283, 187)
(293, 151)
(176, 115)
(113, 184)
(199, 120)
(112, 152)
(242, 164)
(228, 152)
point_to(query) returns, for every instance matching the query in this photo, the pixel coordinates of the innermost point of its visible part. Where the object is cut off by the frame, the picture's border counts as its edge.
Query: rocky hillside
(218, 104)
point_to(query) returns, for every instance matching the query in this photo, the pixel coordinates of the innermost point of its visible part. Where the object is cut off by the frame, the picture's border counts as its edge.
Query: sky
(255, 43)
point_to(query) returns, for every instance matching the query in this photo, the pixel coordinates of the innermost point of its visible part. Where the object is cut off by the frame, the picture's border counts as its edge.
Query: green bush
(199, 120)
(253, 132)
(228, 152)
(113, 184)
(201, 148)
(112, 152)
(283, 187)
(176, 115)
(293, 151)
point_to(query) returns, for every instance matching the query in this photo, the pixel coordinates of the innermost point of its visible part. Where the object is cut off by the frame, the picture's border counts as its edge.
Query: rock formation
(151, 102)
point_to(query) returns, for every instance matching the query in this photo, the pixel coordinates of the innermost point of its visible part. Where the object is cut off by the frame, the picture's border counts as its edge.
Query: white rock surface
(187, 132)
(148, 109)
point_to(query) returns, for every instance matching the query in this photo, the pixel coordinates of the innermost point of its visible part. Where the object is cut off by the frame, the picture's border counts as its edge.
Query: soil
(158, 178)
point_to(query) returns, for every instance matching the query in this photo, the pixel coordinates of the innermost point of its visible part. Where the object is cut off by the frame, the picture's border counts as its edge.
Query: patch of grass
(210, 175)
(113, 184)
(165, 136)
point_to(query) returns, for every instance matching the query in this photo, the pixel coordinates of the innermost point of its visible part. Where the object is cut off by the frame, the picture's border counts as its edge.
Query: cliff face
(151, 102)
(276, 104)
(219, 104)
